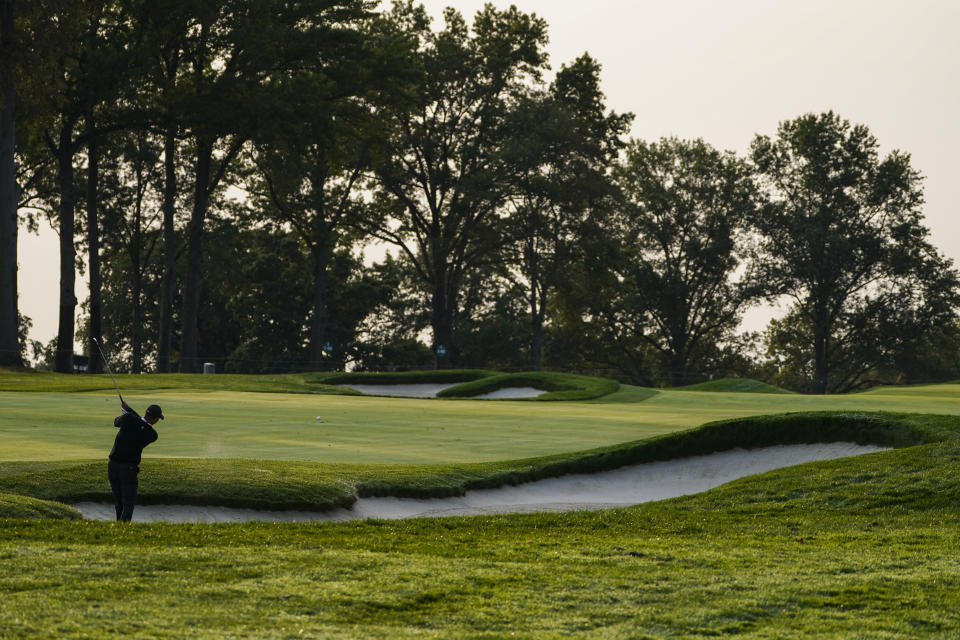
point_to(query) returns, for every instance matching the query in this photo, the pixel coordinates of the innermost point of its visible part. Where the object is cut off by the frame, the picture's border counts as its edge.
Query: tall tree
(169, 70)
(309, 159)
(212, 105)
(564, 147)
(842, 238)
(9, 192)
(93, 241)
(686, 207)
(131, 176)
(233, 48)
(167, 26)
(115, 55)
(137, 186)
(91, 42)
(442, 178)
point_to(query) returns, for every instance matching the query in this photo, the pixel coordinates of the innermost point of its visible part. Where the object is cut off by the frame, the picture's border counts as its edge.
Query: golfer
(135, 434)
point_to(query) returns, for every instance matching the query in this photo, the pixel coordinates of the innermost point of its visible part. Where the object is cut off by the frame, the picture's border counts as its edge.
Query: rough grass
(734, 385)
(863, 547)
(18, 506)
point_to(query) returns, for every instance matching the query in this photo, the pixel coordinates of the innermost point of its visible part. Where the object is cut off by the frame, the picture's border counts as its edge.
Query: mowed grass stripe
(284, 426)
(230, 424)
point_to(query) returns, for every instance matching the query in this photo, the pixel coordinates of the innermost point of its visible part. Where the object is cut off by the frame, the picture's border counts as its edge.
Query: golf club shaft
(115, 386)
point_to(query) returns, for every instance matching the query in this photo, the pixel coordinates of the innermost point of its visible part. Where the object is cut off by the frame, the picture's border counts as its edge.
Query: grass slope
(18, 506)
(559, 386)
(734, 385)
(304, 485)
(48, 381)
(860, 547)
(311, 383)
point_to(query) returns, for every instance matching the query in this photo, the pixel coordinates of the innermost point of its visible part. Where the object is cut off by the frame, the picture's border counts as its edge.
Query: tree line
(228, 172)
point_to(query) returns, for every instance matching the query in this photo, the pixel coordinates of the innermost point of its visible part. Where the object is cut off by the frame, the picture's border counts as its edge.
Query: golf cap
(153, 411)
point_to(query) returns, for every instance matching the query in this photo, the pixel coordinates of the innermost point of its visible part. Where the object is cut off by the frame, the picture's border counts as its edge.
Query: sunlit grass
(856, 547)
(862, 547)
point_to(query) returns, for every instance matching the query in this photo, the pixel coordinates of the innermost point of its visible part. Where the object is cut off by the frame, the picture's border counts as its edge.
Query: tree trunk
(136, 333)
(9, 195)
(821, 372)
(189, 338)
(321, 313)
(167, 285)
(442, 323)
(536, 329)
(136, 330)
(93, 250)
(678, 369)
(536, 345)
(536, 315)
(820, 364)
(63, 361)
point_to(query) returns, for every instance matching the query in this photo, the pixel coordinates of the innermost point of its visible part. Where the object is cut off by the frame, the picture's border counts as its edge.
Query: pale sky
(725, 70)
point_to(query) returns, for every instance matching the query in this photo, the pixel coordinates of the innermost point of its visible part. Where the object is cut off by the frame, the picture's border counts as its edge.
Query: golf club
(108, 368)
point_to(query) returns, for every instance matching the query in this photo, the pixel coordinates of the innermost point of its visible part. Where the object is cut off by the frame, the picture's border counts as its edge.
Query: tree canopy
(333, 184)
(841, 237)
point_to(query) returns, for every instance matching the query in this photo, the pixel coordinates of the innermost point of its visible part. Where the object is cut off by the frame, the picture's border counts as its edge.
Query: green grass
(736, 385)
(268, 484)
(863, 547)
(407, 377)
(47, 382)
(19, 506)
(360, 430)
(559, 386)
(310, 383)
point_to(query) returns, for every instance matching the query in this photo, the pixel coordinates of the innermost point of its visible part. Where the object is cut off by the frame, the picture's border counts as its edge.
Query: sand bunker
(621, 487)
(431, 391)
(402, 390)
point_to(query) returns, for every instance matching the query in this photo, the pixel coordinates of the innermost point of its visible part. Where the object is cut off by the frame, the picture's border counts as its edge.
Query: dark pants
(123, 481)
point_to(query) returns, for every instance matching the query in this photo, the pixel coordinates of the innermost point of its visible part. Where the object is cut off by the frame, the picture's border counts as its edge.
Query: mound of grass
(559, 386)
(267, 484)
(18, 506)
(627, 394)
(48, 381)
(402, 377)
(735, 385)
(859, 547)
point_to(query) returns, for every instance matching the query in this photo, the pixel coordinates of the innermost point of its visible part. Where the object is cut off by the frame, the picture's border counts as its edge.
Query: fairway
(863, 539)
(354, 429)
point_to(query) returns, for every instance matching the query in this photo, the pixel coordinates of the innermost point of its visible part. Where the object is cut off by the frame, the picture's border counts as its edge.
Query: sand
(402, 390)
(621, 487)
(431, 391)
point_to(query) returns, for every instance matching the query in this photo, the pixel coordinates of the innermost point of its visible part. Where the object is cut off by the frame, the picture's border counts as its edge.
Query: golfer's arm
(127, 411)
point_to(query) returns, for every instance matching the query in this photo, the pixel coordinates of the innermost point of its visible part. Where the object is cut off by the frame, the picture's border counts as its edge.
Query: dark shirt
(135, 434)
